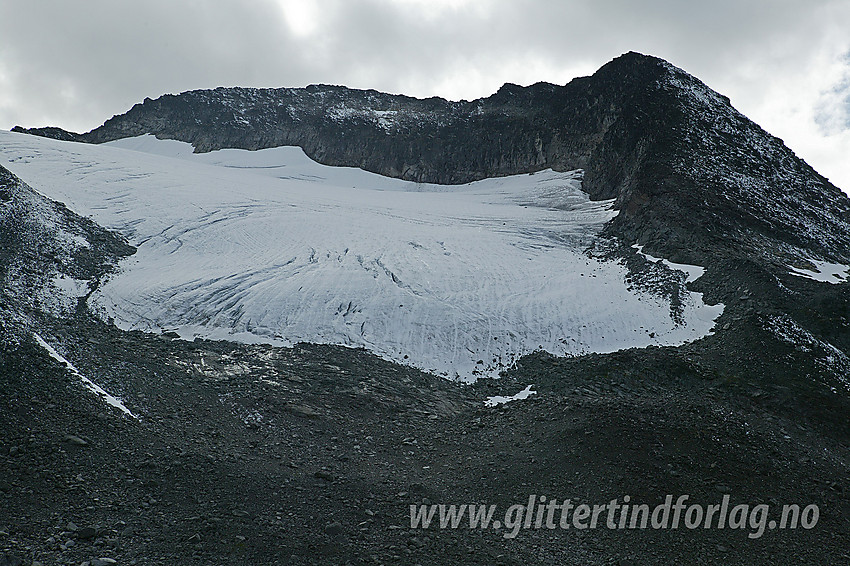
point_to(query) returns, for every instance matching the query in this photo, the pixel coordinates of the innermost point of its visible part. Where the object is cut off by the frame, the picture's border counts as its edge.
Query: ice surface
(271, 246)
(90, 385)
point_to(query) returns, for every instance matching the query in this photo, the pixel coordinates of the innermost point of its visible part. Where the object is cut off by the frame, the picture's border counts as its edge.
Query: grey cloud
(832, 113)
(76, 64)
(79, 62)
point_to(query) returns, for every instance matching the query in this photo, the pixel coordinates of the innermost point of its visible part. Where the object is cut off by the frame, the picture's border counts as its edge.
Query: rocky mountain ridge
(694, 179)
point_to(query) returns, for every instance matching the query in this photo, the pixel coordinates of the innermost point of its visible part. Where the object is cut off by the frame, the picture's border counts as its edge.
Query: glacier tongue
(271, 246)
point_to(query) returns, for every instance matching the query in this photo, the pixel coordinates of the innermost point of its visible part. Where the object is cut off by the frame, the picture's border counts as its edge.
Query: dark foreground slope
(312, 455)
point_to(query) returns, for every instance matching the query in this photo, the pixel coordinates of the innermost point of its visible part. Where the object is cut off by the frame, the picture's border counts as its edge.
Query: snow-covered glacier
(270, 246)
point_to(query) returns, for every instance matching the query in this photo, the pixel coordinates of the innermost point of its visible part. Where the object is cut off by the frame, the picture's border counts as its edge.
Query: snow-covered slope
(270, 246)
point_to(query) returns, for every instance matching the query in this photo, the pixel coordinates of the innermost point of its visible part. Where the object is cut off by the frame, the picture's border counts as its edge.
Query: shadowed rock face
(34, 243)
(694, 179)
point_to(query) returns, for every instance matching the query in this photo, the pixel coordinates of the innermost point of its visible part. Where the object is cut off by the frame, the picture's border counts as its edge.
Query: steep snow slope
(270, 246)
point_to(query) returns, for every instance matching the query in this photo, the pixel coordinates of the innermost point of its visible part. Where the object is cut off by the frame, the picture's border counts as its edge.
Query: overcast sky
(784, 63)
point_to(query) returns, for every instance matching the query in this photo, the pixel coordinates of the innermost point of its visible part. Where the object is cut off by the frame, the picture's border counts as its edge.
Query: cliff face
(693, 177)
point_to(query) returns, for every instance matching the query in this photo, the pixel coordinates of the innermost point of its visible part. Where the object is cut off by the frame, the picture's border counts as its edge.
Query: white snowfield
(269, 246)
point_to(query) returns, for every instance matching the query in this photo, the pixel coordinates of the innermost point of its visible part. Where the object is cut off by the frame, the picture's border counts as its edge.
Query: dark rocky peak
(509, 92)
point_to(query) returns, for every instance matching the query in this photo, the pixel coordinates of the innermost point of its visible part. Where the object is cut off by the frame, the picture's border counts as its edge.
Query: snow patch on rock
(693, 272)
(89, 384)
(500, 400)
(824, 272)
